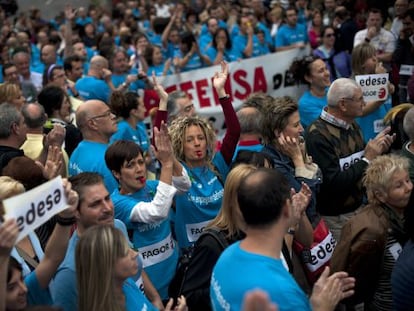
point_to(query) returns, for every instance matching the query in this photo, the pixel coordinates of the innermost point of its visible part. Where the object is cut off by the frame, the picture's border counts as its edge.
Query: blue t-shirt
(250, 147)
(373, 123)
(238, 271)
(134, 298)
(89, 156)
(202, 202)
(36, 295)
(159, 69)
(287, 35)
(137, 135)
(93, 88)
(240, 42)
(193, 63)
(229, 55)
(154, 240)
(117, 80)
(310, 108)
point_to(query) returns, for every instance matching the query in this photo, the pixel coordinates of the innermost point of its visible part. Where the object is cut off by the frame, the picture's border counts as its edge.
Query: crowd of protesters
(307, 199)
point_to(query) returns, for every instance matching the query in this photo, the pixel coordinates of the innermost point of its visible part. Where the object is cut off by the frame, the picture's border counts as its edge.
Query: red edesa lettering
(239, 80)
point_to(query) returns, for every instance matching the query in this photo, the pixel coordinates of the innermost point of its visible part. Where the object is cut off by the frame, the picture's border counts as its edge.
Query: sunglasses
(329, 35)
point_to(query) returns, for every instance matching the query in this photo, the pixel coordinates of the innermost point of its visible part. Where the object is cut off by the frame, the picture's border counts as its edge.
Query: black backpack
(176, 286)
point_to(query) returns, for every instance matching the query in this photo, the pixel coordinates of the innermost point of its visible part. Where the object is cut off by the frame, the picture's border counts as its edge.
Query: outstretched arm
(233, 127)
(58, 242)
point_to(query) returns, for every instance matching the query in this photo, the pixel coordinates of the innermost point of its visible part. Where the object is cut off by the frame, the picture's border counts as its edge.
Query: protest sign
(33, 208)
(374, 87)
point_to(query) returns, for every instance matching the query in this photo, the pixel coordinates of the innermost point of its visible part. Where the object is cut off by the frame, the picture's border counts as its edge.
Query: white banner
(33, 208)
(374, 87)
(268, 74)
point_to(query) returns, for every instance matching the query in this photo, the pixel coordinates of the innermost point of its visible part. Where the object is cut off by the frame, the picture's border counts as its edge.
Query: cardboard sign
(33, 208)
(374, 87)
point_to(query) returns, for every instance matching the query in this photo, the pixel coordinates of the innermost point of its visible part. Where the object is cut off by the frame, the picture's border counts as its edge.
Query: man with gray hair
(336, 144)
(250, 120)
(408, 148)
(12, 133)
(179, 104)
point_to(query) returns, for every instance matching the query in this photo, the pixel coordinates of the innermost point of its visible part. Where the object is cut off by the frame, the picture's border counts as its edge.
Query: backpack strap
(218, 235)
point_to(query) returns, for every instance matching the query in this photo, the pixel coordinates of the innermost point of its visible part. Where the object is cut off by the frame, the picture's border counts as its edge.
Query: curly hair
(379, 173)
(177, 131)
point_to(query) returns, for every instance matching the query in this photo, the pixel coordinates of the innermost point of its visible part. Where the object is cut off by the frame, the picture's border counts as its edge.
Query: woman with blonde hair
(372, 240)
(364, 62)
(193, 141)
(104, 266)
(12, 94)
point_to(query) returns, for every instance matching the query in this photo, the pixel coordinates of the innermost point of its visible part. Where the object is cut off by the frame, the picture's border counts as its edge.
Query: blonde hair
(360, 54)
(177, 131)
(96, 255)
(229, 217)
(276, 117)
(379, 173)
(9, 92)
(9, 187)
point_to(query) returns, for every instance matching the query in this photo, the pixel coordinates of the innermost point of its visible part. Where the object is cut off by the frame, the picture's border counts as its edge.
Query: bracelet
(227, 96)
(365, 160)
(66, 222)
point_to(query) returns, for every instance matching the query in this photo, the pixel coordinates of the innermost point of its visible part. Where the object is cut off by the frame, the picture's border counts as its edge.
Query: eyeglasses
(103, 115)
(329, 35)
(357, 100)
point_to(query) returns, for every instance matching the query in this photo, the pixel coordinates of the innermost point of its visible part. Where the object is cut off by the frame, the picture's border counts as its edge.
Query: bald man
(97, 124)
(96, 85)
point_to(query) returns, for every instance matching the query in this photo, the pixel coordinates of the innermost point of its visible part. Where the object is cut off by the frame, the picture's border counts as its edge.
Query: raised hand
(53, 164)
(72, 198)
(8, 235)
(163, 148)
(300, 200)
(220, 79)
(162, 94)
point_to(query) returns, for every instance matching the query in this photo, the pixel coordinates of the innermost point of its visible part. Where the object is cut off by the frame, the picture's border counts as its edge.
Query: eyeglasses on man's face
(106, 114)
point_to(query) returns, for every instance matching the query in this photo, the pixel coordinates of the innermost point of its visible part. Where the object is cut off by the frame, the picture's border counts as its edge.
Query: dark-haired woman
(189, 57)
(222, 48)
(338, 63)
(130, 107)
(312, 71)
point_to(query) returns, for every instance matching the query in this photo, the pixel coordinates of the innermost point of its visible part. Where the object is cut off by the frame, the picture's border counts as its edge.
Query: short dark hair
(85, 179)
(67, 63)
(121, 104)
(5, 67)
(51, 98)
(121, 151)
(262, 206)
